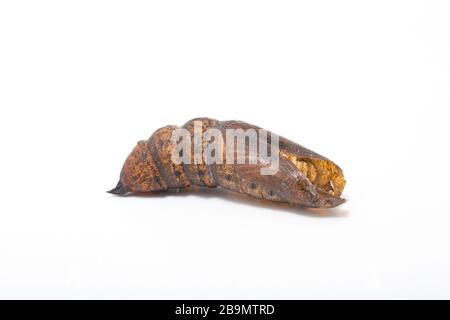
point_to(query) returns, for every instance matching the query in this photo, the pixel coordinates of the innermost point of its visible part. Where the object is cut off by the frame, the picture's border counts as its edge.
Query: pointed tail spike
(120, 189)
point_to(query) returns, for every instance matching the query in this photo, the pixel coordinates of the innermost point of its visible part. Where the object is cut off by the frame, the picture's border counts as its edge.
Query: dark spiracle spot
(228, 177)
(253, 185)
(271, 193)
(157, 179)
(177, 173)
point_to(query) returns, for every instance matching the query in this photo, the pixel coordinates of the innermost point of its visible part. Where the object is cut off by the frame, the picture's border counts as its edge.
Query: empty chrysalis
(233, 155)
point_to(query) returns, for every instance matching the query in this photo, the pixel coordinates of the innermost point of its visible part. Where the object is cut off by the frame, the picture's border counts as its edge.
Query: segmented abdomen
(156, 170)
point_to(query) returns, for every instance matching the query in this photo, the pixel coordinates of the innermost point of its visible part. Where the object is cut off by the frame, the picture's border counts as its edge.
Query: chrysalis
(233, 155)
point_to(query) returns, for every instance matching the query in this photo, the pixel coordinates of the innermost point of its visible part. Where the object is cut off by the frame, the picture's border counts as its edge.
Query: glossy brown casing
(304, 177)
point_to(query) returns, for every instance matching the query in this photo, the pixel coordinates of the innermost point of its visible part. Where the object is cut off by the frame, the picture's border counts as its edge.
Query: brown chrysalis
(300, 177)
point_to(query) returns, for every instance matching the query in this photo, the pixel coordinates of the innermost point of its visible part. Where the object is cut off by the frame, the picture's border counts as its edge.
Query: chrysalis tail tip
(120, 189)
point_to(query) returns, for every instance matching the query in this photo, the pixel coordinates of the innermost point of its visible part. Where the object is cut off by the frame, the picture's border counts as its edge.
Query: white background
(365, 83)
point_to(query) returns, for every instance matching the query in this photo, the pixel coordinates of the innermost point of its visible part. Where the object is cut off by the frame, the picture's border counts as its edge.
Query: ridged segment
(161, 146)
(199, 174)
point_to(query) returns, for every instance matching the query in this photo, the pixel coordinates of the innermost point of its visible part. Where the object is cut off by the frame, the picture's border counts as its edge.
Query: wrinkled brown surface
(304, 177)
